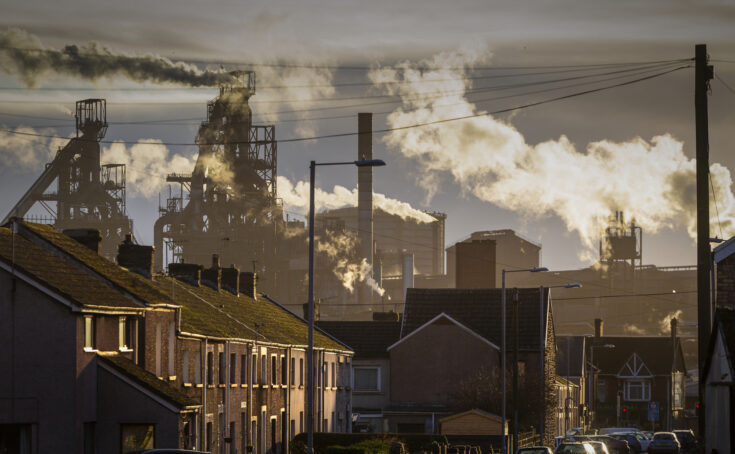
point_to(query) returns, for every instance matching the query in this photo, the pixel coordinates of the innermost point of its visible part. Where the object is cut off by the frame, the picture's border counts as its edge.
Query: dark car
(535, 450)
(572, 447)
(664, 443)
(633, 443)
(687, 440)
(165, 451)
(614, 446)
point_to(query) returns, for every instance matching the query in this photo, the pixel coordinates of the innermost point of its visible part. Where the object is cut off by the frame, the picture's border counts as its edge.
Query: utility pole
(703, 73)
(515, 370)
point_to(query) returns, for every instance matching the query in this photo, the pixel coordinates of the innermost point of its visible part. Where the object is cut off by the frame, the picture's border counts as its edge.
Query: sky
(545, 194)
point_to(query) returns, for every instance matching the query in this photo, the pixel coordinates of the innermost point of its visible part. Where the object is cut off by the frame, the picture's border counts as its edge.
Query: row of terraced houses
(105, 357)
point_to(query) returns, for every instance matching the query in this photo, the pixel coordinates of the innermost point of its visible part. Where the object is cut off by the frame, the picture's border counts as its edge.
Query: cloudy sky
(351, 48)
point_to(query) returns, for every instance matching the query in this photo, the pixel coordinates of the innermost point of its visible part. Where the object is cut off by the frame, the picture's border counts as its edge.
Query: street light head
(574, 285)
(370, 163)
(538, 269)
(609, 345)
(716, 240)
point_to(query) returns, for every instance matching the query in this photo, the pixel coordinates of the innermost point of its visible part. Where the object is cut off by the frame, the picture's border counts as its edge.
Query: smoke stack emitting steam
(653, 181)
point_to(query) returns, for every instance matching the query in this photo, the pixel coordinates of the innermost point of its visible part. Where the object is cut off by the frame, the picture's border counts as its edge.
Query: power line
(717, 76)
(399, 128)
(265, 114)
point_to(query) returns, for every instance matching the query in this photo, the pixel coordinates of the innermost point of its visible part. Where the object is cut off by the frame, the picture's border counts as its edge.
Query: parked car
(574, 447)
(664, 443)
(598, 446)
(166, 451)
(687, 440)
(617, 430)
(633, 443)
(535, 450)
(614, 446)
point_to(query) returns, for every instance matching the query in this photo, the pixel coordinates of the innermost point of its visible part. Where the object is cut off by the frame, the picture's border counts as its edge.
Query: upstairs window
(123, 333)
(638, 390)
(90, 333)
(367, 379)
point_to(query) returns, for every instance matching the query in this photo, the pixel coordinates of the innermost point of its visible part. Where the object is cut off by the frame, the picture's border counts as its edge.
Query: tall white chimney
(365, 200)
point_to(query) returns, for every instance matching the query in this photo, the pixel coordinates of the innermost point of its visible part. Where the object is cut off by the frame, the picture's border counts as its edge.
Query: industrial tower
(86, 195)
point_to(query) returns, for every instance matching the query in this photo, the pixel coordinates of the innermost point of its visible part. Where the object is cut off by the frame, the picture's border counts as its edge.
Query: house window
(172, 350)
(243, 369)
(254, 369)
(123, 334)
(198, 368)
(293, 371)
(334, 380)
(301, 371)
(210, 368)
(639, 390)
(274, 374)
(185, 367)
(222, 369)
(137, 436)
(678, 387)
(90, 333)
(263, 369)
(233, 368)
(284, 371)
(367, 379)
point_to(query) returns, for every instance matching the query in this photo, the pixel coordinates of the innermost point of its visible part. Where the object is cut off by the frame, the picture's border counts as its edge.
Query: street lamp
(541, 346)
(503, 346)
(310, 315)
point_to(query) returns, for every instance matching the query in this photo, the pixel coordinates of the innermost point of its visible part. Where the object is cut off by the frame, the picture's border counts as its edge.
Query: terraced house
(105, 357)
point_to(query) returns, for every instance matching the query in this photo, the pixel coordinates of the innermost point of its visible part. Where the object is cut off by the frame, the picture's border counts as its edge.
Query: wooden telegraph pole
(702, 75)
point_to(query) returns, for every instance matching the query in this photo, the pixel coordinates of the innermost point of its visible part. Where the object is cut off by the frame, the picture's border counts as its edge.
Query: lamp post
(542, 370)
(592, 367)
(310, 310)
(503, 346)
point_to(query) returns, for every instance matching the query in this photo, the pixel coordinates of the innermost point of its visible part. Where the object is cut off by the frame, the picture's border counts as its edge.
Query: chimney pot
(231, 279)
(136, 258)
(598, 327)
(248, 284)
(90, 238)
(186, 272)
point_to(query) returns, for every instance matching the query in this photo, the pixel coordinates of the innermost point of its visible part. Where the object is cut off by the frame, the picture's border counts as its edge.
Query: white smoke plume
(147, 164)
(299, 89)
(652, 181)
(25, 148)
(23, 54)
(340, 248)
(665, 323)
(296, 198)
(631, 329)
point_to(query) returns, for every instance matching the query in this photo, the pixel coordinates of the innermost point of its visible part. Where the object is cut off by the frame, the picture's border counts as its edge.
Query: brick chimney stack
(135, 257)
(212, 277)
(248, 284)
(231, 279)
(186, 272)
(90, 238)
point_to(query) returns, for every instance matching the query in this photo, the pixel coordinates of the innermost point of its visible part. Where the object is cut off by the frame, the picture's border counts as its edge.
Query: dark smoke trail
(22, 53)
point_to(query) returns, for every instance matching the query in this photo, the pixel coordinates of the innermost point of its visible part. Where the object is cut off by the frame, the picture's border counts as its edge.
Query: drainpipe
(203, 363)
(227, 393)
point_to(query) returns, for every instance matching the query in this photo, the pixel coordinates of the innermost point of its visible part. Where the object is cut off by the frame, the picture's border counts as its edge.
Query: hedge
(323, 441)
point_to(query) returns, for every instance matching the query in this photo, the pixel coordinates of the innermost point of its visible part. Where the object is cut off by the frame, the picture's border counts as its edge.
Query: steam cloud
(22, 54)
(652, 181)
(296, 197)
(339, 247)
(25, 149)
(147, 164)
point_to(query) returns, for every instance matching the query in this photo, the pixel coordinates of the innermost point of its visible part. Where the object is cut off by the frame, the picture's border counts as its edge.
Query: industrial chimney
(407, 272)
(365, 199)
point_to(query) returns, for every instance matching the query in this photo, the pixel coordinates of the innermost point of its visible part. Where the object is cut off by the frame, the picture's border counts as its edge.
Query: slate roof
(655, 352)
(89, 278)
(368, 339)
(570, 355)
(71, 282)
(479, 310)
(148, 380)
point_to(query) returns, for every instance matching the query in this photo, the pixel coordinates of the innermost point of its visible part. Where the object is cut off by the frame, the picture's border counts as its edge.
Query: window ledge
(187, 385)
(199, 385)
(126, 350)
(90, 350)
(233, 385)
(221, 385)
(172, 378)
(284, 386)
(244, 385)
(301, 386)
(210, 386)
